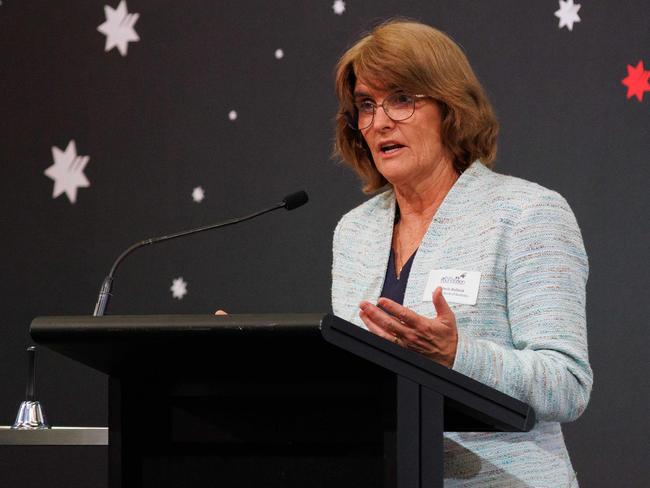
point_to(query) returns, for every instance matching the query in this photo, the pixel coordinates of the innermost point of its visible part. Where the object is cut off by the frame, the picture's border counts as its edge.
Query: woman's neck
(419, 202)
(417, 206)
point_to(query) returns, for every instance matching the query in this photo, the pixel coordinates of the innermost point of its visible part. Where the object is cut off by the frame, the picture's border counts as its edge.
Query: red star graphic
(637, 81)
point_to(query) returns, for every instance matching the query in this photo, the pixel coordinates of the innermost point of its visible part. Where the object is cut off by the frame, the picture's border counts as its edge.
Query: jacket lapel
(377, 250)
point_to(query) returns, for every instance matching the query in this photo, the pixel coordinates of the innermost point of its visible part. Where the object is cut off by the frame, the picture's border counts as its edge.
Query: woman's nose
(382, 120)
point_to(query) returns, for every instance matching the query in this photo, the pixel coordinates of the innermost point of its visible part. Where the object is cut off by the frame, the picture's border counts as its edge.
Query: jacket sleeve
(337, 275)
(546, 275)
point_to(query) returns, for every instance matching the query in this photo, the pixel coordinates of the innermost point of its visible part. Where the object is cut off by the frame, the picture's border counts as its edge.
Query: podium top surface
(81, 325)
(121, 344)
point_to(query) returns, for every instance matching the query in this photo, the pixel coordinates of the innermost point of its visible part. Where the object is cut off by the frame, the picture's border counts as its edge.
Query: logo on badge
(453, 280)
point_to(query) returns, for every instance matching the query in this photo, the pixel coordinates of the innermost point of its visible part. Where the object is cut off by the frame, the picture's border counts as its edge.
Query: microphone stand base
(30, 417)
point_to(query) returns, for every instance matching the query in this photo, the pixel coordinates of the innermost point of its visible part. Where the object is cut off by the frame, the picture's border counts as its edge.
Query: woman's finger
(374, 328)
(443, 310)
(384, 320)
(403, 314)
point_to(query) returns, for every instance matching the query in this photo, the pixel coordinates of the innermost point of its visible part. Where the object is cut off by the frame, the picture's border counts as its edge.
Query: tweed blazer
(525, 336)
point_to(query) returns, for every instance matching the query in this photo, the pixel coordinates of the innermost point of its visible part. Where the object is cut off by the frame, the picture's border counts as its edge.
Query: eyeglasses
(398, 107)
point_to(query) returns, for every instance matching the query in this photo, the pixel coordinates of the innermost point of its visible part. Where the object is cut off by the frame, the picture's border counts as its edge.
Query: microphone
(290, 202)
(295, 200)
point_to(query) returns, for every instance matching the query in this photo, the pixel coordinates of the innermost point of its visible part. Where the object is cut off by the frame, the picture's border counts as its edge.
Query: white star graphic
(339, 7)
(279, 54)
(68, 171)
(232, 115)
(568, 14)
(198, 194)
(179, 288)
(118, 28)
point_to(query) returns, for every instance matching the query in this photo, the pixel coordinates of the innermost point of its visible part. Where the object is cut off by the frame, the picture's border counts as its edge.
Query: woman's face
(409, 151)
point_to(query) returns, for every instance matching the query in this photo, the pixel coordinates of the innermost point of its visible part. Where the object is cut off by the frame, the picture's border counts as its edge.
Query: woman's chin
(396, 174)
(392, 167)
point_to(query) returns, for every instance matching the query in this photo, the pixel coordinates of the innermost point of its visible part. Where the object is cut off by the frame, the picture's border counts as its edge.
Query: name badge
(457, 286)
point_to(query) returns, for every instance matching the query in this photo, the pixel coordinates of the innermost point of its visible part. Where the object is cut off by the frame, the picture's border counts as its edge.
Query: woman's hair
(418, 59)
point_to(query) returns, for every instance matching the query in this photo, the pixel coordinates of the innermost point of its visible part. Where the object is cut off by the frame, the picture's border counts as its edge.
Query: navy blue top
(394, 287)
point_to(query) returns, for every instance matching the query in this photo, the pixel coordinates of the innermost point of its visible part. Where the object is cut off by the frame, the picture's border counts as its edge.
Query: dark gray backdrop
(155, 125)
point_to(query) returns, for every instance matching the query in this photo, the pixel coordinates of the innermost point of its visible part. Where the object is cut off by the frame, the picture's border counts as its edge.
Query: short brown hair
(416, 58)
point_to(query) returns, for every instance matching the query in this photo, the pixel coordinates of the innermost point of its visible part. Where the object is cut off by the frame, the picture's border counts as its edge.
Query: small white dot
(339, 7)
(279, 54)
(198, 194)
(232, 115)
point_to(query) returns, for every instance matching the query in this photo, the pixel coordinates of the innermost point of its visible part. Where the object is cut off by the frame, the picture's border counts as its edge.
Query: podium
(273, 400)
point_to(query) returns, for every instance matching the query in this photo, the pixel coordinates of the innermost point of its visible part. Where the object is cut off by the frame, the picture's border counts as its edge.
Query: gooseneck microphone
(294, 200)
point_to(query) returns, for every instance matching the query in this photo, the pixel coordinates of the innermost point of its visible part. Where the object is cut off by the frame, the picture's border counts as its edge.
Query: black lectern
(263, 400)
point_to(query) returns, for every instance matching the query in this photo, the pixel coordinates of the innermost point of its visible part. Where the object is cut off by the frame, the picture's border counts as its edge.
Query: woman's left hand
(436, 338)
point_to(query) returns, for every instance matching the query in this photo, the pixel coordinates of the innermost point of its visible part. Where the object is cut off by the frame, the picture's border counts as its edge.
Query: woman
(481, 272)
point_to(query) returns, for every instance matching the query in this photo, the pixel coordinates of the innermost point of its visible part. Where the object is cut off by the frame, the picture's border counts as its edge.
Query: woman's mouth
(389, 149)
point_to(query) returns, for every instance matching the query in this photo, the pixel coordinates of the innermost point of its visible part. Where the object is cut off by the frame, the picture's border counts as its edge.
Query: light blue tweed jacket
(526, 336)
